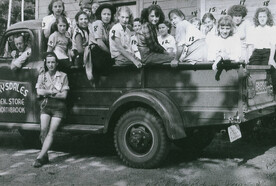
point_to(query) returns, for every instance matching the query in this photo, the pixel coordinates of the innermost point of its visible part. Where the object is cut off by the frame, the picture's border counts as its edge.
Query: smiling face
(262, 18)
(106, 15)
(209, 23)
(153, 19)
(57, 8)
(175, 19)
(51, 63)
(83, 21)
(224, 31)
(123, 18)
(163, 29)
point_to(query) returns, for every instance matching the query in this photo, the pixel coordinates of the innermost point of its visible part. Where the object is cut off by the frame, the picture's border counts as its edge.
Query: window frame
(5, 37)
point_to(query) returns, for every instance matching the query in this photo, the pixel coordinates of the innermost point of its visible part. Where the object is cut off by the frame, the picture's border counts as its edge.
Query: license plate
(261, 86)
(234, 132)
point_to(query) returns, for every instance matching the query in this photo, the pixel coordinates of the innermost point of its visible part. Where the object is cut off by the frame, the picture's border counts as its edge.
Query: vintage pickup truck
(143, 109)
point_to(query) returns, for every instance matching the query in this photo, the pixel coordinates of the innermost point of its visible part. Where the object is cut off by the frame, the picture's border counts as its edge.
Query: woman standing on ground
(53, 87)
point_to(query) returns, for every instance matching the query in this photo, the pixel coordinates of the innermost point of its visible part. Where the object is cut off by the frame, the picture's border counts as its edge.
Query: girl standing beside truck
(53, 87)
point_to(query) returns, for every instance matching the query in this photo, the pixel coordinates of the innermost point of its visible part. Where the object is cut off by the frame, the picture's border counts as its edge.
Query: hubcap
(139, 139)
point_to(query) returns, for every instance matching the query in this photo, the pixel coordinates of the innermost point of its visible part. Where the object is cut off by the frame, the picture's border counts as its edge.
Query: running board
(95, 129)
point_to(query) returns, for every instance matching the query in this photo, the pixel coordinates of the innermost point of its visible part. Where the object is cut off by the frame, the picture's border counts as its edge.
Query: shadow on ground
(102, 146)
(221, 148)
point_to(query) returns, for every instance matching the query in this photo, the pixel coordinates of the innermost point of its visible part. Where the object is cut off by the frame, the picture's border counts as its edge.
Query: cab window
(15, 44)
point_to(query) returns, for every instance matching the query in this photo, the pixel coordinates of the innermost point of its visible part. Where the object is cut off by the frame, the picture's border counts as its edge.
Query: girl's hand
(272, 63)
(174, 63)
(139, 65)
(214, 66)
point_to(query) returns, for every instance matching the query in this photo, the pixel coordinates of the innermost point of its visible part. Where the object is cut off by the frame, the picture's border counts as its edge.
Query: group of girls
(235, 38)
(231, 38)
(194, 41)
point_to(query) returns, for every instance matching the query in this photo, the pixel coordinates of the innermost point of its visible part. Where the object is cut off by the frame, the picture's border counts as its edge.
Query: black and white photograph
(138, 92)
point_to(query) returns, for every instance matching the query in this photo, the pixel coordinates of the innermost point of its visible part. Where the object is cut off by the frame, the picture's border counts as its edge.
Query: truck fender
(158, 101)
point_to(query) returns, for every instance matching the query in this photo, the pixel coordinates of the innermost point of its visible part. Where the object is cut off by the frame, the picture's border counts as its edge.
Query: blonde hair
(226, 21)
(125, 9)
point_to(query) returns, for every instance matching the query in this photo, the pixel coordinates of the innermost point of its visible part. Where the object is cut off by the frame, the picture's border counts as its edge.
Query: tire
(30, 138)
(140, 139)
(196, 140)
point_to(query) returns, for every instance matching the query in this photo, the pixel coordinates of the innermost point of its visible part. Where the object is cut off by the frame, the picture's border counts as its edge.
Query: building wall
(219, 7)
(189, 7)
(72, 6)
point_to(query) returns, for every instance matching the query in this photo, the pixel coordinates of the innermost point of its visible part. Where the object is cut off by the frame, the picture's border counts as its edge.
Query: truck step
(95, 129)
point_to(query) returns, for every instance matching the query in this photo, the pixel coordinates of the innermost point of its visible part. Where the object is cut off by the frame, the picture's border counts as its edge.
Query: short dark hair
(208, 15)
(237, 10)
(50, 7)
(158, 13)
(49, 54)
(177, 12)
(168, 24)
(19, 35)
(137, 19)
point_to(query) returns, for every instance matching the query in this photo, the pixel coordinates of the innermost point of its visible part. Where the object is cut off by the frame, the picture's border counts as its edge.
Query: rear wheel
(140, 139)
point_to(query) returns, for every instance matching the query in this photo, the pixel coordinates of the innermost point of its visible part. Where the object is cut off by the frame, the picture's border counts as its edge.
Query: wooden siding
(189, 7)
(218, 7)
(72, 7)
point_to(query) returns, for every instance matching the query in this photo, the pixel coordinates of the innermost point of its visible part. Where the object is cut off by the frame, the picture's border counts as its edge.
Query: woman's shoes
(41, 161)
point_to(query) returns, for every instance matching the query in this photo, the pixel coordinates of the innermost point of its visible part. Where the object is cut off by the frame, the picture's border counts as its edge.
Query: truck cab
(144, 109)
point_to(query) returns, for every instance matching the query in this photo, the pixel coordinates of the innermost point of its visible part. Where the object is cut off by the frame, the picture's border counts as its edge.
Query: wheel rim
(139, 139)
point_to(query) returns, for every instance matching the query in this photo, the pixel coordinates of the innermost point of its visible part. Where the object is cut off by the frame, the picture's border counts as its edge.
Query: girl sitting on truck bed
(151, 51)
(261, 39)
(191, 46)
(226, 45)
(60, 43)
(56, 9)
(119, 39)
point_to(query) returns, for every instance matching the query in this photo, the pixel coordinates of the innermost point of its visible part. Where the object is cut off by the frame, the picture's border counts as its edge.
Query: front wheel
(140, 139)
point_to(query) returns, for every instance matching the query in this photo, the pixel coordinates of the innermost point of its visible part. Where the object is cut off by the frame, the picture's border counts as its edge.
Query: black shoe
(46, 159)
(40, 162)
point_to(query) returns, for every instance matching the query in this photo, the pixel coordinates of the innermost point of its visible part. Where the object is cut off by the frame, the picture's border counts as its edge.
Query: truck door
(17, 86)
